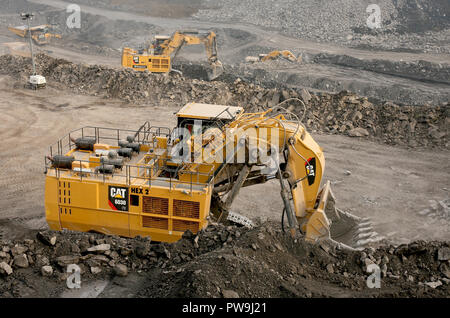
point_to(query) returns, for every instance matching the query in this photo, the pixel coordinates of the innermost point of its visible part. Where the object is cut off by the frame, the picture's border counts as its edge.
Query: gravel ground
(406, 25)
(220, 261)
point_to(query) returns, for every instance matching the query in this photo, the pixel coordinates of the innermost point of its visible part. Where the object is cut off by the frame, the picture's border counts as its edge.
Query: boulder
(358, 132)
(229, 294)
(121, 270)
(47, 271)
(66, 260)
(99, 248)
(21, 261)
(5, 269)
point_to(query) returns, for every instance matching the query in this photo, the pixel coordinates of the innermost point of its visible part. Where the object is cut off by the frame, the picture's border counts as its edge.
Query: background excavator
(163, 50)
(285, 54)
(40, 34)
(160, 182)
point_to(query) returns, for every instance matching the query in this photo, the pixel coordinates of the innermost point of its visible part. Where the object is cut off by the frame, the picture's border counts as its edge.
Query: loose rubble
(405, 25)
(226, 261)
(342, 113)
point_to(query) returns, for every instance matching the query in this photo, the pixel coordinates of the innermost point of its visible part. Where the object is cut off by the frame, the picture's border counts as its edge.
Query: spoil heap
(223, 261)
(342, 113)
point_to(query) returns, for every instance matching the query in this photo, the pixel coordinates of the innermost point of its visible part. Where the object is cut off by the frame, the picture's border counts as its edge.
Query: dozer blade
(215, 71)
(345, 229)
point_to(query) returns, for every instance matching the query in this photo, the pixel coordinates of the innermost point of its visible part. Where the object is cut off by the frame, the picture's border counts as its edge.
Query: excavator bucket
(346, 229)
(215, 71)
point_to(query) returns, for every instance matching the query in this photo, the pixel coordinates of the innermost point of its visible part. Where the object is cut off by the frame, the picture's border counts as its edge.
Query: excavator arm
(298, 162)
(288, 55)
(172, 46)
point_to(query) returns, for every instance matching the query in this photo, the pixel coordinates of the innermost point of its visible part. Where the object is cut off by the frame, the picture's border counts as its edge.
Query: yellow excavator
(285, 54)
(40, 34)
(163, 50)
(159, 182)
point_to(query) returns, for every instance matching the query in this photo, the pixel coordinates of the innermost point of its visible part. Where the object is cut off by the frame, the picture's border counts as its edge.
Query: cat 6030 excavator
(160, 182)
(163, 50)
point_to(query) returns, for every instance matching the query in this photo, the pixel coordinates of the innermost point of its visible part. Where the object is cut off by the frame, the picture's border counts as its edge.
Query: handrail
(173, 182)
(65, 144)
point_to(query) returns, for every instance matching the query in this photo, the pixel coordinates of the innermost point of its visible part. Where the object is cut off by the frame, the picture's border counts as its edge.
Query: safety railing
(132, 172)
(144, 135)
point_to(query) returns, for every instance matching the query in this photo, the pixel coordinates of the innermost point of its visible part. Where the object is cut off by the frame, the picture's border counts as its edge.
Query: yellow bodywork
(80, 199)
(40, 34)
(159, 56)
(145, 62)
(288, 55)
(154, 194)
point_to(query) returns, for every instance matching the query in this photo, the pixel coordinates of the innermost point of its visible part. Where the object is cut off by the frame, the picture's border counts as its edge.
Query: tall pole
(28, 17)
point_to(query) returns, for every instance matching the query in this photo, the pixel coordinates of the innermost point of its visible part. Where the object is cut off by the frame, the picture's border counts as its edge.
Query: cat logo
(118, 198)
(310, 167)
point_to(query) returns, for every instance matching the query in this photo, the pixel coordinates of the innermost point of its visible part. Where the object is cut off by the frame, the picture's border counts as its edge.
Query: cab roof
(162, 37)
(209, 111)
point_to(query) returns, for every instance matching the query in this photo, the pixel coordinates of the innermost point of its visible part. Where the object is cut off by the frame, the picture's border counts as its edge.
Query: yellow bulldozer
(40, 34)
(158, 57)
(161, 182)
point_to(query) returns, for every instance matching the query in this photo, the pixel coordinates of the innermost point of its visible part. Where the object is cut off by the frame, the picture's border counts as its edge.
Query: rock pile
(224, 261)
(100, 256)
(265, 262)
(342, 113)
(418, 70)
(344, 22)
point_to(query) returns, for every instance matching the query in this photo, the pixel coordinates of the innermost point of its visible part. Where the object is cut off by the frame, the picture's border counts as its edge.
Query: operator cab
(157, 41)
(209, 115)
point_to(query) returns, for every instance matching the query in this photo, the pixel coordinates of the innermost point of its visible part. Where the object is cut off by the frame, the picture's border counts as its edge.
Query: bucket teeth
(353, 231)
(372, 240)
(365, 224)
(365, 235)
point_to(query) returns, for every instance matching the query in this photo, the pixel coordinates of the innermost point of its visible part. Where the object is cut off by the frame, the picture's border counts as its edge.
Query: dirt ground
(403, 189)
(388, 184)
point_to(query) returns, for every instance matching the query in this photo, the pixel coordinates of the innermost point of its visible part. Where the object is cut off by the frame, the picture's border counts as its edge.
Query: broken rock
(47, 271)
(444, 254)
(229, 294)
(358, 132)
(330, 268)
(18, 250)
(5, 269)
(64, 261)
(99, 248)
(121, 270)
(306, 96)
(434, 284)
(21, 261)
(46, 238)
